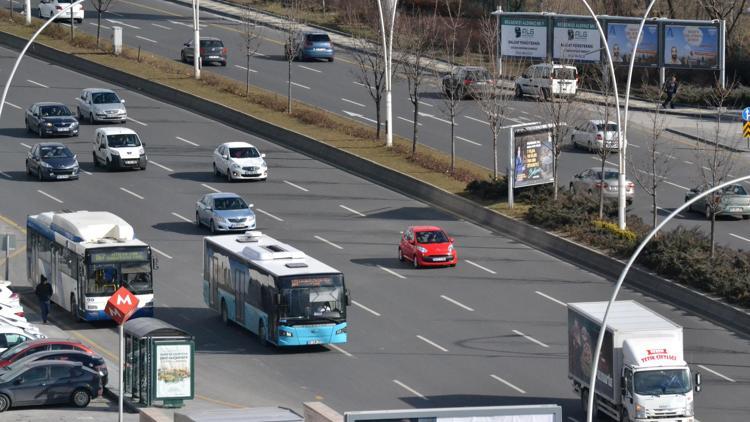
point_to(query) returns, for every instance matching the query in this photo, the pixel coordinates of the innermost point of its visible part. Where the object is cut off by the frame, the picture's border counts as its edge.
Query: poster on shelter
(523, 37)
(621, 40)
(691, 46)
(576, 41)
(173, 371)
(533, 161)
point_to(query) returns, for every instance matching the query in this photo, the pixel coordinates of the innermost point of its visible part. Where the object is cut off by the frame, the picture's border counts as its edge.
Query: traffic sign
(121, 305)
(746, 130)
(746, 114)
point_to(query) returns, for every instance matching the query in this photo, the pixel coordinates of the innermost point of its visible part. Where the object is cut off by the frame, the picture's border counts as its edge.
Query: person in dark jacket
(44, 293)
(670, 88)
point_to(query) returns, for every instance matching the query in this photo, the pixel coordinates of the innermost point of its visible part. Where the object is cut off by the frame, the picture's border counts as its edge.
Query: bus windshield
(108, 271)
(311, 298)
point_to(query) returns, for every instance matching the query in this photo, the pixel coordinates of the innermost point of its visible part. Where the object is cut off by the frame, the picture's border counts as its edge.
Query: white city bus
(87, 256)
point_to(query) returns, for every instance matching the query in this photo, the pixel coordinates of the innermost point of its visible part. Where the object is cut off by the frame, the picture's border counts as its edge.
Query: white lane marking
(160, 165)
(551, 298)
(354, 302)
(670, 211)
(353, 102)
(186, 141)
(244, 68)
(508, 384)
(125, 24)
(37, 83)
(160, 252)
(705, 168)
(181, 23)
(432, 343)
(471, 142)
(310, 69)
(457, 303)
(146, 39)
(740, 237)
(340, 350)
(296, 186)
(389, 271)
(50, 196)
(13, 105)
(407, 120)
(139, 122)
(210, 187)
(572, 419)
(676, 185)
(259, 54)
(269, 214)
(353, 211)
(352, 114)
(716, 373)
(687, 162)
(599, 160)
(632, 145)
(161, 26)
(6, 175)
(479, 266)
(87, 173)
(477, 120)
(523, 112)
(409, 389)
(426, 104)
(531, 339)
(328, 242)
(300, 85)
(358, 83)
(25, 145)
(183, 218)
(103, 26)
(131, 192)
(523, 119)
(113, 13)
(436, 118)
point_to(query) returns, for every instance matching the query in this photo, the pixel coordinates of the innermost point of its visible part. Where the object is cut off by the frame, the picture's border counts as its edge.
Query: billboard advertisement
(621, 40)
(575, 41)
(581, 343)
(691, 46)
(523, 37)
(174, 377)
(533, 160)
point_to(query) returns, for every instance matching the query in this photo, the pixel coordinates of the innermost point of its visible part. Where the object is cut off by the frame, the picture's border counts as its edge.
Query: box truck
(641, 375)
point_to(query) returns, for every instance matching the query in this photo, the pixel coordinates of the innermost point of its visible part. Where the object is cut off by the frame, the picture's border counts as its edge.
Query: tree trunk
(415, 117)
(453, 143)
(601, 189)
(713, 233)
(494, 150)
(247, 77)
(98, 26)
(654, 208)
(72, 25)
(289, 88)
(377, 117)
(554, 169)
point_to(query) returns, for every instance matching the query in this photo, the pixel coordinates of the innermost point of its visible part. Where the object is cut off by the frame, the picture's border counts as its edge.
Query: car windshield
(434, 236)
(105, 98)
(734, 190)
(244, 152)
(123, 140)
(563, 73)
(223, 204)
(318, 38)
(612, 127)
(57, 151)
(211, 43)
(54, 111)
(666, 381)
(607, 175)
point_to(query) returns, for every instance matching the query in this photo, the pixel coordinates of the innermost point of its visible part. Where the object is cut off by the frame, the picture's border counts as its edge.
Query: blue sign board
(746, 114)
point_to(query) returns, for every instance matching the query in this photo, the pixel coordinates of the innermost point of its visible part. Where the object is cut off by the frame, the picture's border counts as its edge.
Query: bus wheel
(224, 315)
(262, 334)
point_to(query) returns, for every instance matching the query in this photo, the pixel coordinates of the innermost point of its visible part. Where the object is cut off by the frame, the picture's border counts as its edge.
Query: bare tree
(729, 10)
(100, 6)
(291, 47)
(251, 40)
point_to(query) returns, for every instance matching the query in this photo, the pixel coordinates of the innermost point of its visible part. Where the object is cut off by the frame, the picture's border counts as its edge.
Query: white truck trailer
(642, 375)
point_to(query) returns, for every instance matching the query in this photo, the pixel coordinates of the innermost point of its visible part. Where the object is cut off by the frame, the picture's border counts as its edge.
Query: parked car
(50, 119)
(427, 246)
(11, 310)
(224, 212)
(119, 148)
(590, 181)
(732, 200)
(546, 80)
(49, 382)
(12, 336)
(239, 161)
(17, 352)
(212, 50)
(311, 45)
(472, 81)
(89, 360)
(48, 8)
(21, 323)
(7, 295)
(594, 135)
(101, 105)
(52, 160)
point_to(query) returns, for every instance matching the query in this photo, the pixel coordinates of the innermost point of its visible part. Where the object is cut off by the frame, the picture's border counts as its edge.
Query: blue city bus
(275, 291)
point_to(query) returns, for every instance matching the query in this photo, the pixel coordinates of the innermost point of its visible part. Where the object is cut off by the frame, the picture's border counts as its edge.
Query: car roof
(426, 228)
(210, 39)
(472, 67)
(39, 341)
(11, 329)
(98, 90)
(605, 169)
(237, 144)
(314, 33)
(57, 352)
(601, 122)
(30, 364)
(50, 144)
(49, 103)
(116, 131)
(222, 195)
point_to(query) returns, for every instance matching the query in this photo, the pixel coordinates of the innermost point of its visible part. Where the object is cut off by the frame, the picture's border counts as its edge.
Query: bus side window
(253, 294)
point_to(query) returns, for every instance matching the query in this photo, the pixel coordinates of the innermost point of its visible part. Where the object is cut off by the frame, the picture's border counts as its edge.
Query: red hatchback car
(427, 246)
(39, 345)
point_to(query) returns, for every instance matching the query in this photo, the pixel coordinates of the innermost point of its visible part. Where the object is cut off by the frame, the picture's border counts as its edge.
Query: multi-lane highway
(162, 27)
(490, 331)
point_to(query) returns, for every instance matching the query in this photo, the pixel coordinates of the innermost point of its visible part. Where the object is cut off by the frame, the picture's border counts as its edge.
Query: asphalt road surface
(491, 331)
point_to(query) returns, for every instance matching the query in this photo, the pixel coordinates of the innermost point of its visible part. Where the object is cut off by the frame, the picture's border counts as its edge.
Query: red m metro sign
(121, 305)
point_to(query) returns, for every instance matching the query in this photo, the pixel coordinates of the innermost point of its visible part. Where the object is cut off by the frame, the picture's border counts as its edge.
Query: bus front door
(240, 287)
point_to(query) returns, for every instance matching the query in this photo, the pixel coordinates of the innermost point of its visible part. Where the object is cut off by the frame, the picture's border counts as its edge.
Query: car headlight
(74, 124)
(48, 124)
(450, 248)
(283, 333)
(114, 152)
(263, 165)
(235, 166)
(46, 165)
(141, 151)
(341, 331)
(640, 411)
(422, 249)
(221, 219)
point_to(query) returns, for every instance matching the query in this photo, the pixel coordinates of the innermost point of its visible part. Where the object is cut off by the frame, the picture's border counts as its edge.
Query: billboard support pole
(722, 53)
(662, 76)
(498, 41)
(511, 173)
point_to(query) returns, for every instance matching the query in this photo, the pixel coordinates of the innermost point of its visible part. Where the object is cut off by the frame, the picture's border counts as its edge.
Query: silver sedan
(224, 212)
(591, 180)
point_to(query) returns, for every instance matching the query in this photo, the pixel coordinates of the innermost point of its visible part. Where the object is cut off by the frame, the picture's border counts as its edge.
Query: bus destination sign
(100, 257)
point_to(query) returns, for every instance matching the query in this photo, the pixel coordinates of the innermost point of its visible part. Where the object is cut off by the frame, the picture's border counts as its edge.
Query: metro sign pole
(120, 307)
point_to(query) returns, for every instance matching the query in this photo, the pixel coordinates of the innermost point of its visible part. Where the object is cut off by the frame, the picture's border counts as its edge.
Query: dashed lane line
(161, 253)
(479, 266)
(186, 141)
(131, 193)
(37, 83)
(310, 69)
(351, 210)
(560, 302)
(531, 339)
(355, 303)
(50, 196)
(146, 39)
(160, 165)
(296, 186)
(389, 271)
(137, 121)
(161, 26)
(269, 214)
(185, 219)
(300, 85)
(340, 350)
(466, 140)
(353, 102)
(328, 242)
(457, 303)
(245, 68)
(409, 389)
(432, 343)
(718, 374)
(210, 187)
(13, 105)
(508, 384)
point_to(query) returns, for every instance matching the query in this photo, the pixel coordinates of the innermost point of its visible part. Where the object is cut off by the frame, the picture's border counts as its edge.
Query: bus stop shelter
(159, 363)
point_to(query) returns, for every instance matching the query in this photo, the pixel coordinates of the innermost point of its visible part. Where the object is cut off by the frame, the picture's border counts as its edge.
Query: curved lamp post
(651, 234)
(26, 47)
(387, 59)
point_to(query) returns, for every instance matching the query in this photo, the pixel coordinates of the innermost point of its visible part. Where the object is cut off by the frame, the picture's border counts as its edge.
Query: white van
(118, 148)
(548, 80)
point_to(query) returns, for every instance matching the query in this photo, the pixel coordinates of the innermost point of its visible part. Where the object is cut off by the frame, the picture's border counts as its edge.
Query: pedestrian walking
(670, 88)
(44, 293)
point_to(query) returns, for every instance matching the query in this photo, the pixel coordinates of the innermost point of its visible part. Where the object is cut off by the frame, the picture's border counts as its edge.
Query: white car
(119, 148)
(547, 80)
(11, 310)
(7, 295)
(18, 322)
(594, 135)
(48, 8)
(100, 105)
(239, 161)
(11, 336)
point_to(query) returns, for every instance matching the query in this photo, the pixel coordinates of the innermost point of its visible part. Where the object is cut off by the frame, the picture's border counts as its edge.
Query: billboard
(691, 46)
(575, 40)
(173, 365)
(581, 343)
(523, 37)
(533, 160)
(621, 40)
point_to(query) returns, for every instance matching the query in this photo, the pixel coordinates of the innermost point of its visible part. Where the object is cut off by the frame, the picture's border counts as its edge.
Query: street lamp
(197, 38)
(387, 58)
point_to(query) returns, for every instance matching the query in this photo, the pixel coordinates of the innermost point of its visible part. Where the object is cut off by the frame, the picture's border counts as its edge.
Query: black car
(89, 360)
(48, 382)
(212, 50)
(51, 119)
(52, 160)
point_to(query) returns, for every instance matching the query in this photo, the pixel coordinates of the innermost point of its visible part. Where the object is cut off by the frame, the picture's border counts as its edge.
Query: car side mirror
(347, 298)
(155, 262)
(122, 101)
(262, 155)
(250, 205)
(143, 144)
(277, 299)
(451, 239)
(18, 381)
(187, 44)
(697, 382)
(226, 157)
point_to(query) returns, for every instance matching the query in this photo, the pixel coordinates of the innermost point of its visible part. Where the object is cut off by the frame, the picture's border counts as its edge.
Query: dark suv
(311, 45)
(212, 50)
(473, 81)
